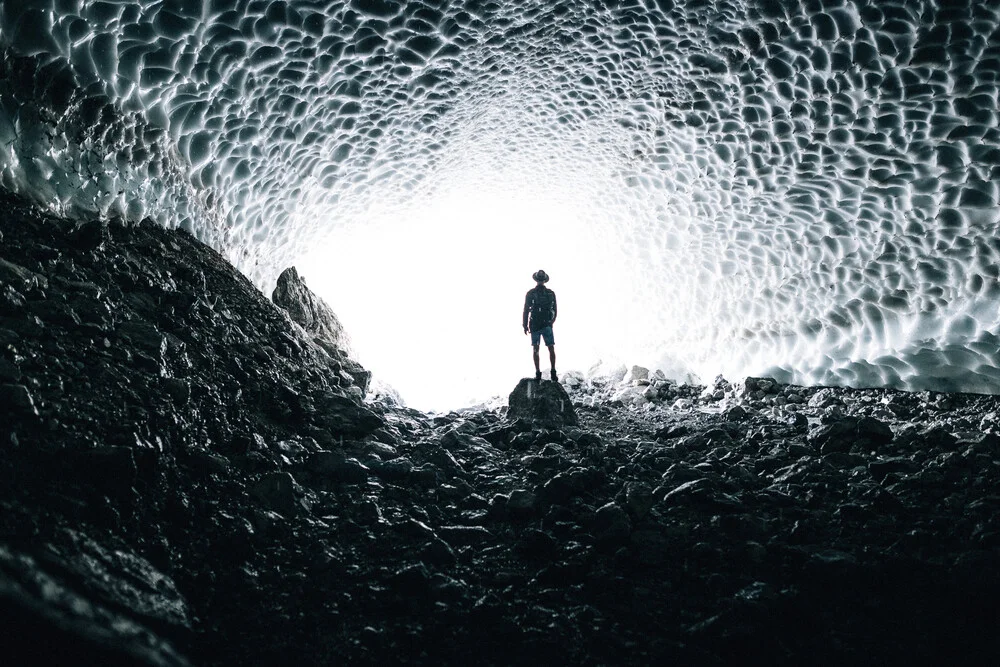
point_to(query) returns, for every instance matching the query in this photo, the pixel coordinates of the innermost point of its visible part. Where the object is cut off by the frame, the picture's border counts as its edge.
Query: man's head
(540, 277)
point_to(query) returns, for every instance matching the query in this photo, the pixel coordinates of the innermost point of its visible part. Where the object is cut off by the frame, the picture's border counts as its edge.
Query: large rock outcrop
(315, 316)
(542, 403)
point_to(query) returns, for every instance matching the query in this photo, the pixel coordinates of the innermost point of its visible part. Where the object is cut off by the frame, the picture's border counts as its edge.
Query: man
(538, 318)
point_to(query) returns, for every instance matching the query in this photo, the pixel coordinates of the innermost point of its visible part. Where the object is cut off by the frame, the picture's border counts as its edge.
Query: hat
(540, 276)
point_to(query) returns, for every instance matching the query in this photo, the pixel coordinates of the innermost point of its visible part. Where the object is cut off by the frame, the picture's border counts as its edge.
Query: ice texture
(803, 188)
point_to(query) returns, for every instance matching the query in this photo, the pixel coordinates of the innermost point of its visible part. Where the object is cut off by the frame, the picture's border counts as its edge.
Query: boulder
(735, 414)
(767, 385)
(108, 469)
(318, 319)
(638, 499)
(630, 395)
(308, 310)
(637, 375)
(77, 601)
(611, 524)
(277, 491)
(337, 467)
(15, 398)
(840, 435)
(521, 503)
(544, 403)
(343, 416)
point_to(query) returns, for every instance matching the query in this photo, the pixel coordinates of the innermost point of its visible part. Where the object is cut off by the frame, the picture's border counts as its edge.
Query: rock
(590, 440)
(564, 486)
(396, 470)
(534, 543)
(143, 335)
(840, 435)
(362, 378)
(572, 379)
(766, 385)
(437, 552)
(425, 475)
(617, 374)
(467, 444)
(636, 374)
(447, 461)
(208, 463)
(178, 390)
(9, 372)
(522, 441)
(380, 392)
(741, 509)
(638, 499)
(824, 398)
(875, 431)
(465, 535)
(630, 395)
(92, 234)
(611, 524)
(84, 604)
(308, 310)
(318, 319)
(796, 420)
(337, 468)
(521, 503)
(671, 431)
(16, 399)
(278, 492)
(17, 274)
(652, 547)
(543, 403)
(368, 512)
(412, 580)
(735, 414)
(345, 417)
(109, 469)
(883, 467)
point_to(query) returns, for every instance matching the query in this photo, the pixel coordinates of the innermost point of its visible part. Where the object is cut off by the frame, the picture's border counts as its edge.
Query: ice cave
(804, 189)
(774, 230)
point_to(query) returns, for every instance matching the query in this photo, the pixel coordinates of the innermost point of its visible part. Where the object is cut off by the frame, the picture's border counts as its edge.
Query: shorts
(544, 332)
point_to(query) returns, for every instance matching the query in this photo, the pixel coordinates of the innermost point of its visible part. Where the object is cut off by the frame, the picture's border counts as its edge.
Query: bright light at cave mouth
(432, 295)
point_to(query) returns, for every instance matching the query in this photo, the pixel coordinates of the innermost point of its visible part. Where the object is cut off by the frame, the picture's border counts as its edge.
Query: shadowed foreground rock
(187, 477)
(542, 403)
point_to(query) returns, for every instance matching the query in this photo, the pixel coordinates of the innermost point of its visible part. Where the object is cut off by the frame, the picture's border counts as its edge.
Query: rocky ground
(189, 475)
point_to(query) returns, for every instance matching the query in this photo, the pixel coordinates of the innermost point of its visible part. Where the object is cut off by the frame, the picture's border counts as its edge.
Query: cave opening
(431, 292)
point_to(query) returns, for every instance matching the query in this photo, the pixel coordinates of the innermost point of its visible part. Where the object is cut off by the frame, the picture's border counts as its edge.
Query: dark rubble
(189, 477)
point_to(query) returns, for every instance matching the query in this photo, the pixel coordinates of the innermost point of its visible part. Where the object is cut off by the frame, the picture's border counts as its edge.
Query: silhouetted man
(538, 318)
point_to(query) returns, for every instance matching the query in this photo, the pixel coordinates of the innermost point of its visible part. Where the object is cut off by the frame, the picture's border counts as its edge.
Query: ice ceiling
(806, 188)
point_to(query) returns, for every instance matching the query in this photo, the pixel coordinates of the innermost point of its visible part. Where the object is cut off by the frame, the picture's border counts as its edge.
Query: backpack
(542, 307)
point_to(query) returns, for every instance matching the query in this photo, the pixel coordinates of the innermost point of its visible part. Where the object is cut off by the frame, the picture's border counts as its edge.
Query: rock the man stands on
(538, 317)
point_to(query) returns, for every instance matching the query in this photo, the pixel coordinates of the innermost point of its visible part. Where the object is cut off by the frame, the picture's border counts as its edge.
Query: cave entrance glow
(432, 295)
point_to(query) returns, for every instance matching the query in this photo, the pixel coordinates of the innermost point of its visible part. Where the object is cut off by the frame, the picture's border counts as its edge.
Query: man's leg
(552, 359)
(534, 356)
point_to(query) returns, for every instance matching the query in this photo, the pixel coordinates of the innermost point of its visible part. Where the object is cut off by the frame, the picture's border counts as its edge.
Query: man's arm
(555, 310)
(524, 315)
